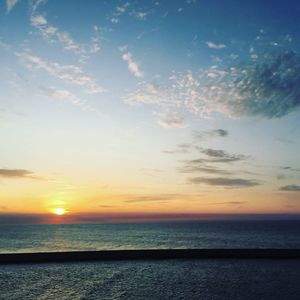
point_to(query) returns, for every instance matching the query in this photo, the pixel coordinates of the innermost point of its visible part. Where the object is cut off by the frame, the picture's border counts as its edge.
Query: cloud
(153, 198)
(52, 35)
(38, 20)
(67, 96)
(288, 168)
(223, 181)
(69, 73)
(181, 148)
(196, 169)
(61, 95)
(171, 120)
(10, 4)
(125, 9)
(221, 155)
(17, 173)
(267, 86)
(95, 46)
(200, 135)
(215, 46)
(140, 15)
(14, 173)
(270, 89)
(36, 4)
(133, 66)
(216, 156)
(119, 11)
(290, 188)
(115, 20)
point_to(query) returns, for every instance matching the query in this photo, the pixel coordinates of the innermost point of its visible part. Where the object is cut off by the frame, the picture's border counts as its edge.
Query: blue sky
(141, 106)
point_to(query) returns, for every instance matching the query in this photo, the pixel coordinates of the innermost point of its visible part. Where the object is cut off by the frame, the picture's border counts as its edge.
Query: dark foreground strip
(77, 256)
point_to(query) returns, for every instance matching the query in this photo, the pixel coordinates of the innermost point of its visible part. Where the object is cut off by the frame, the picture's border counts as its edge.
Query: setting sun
(59, 211)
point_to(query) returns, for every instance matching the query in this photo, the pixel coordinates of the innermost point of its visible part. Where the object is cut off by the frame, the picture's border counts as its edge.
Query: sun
(59, 211)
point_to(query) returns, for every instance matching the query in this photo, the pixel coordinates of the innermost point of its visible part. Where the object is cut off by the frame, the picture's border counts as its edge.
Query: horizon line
(27, 218)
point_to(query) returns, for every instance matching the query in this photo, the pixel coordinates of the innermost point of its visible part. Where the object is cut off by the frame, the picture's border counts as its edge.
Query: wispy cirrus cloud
(68, 73)
(290, 188)
(61, 95)
(224, 181)
(119, 11)
(129, 9)
(67, 96)
(95, 46)
(10, 4)
(53, 34)
(36, 4)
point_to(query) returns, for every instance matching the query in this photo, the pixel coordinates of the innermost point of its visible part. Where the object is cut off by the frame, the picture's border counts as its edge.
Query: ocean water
(107, 236)
(146, 279)
(168, 279)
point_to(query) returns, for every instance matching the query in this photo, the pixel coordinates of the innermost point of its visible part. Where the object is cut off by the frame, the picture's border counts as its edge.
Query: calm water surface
(154, 280)
(99, 236)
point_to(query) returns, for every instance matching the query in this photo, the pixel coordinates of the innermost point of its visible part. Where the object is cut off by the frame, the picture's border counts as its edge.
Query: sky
(149, 109)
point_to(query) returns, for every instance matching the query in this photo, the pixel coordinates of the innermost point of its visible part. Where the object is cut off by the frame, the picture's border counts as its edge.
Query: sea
(146, 279)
